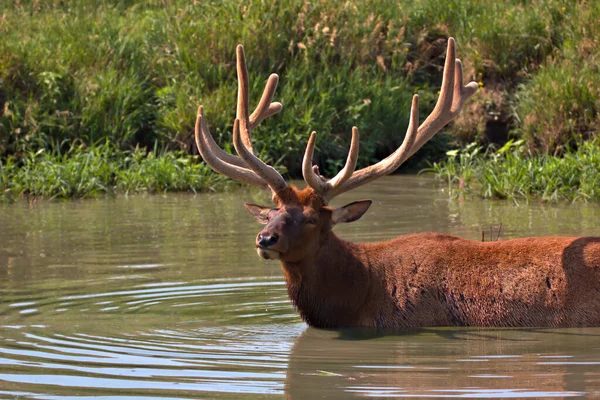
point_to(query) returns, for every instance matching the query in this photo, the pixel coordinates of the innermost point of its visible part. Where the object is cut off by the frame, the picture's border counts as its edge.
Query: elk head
(301, 219)
(296, 227)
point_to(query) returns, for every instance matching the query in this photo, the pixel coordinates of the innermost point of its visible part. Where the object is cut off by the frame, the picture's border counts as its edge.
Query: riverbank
(513, 172)
(74, 75)
(102, 170)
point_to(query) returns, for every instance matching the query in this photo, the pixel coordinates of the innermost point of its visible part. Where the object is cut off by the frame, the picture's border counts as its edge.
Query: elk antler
(244, 167)
(451, 99)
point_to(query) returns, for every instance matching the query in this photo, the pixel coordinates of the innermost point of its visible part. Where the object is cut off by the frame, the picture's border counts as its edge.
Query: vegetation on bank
(74, 74)
(513, 172)
(102, 170)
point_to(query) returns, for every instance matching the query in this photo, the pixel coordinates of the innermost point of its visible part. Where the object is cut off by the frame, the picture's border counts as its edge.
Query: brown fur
(431, 279)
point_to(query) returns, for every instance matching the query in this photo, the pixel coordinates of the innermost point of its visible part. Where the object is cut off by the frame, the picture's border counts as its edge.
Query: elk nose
(267, 240)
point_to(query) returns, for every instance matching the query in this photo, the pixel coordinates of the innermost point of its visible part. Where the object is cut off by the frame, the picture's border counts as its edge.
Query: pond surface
(165, 297)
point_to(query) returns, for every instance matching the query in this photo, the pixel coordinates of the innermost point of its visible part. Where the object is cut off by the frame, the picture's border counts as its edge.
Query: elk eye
(311, 221)
(269, 213)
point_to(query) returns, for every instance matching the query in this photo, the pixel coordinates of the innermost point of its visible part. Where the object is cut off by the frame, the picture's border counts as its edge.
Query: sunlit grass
(560, 106)
(102, 170)
(134, 72)
(513, 172)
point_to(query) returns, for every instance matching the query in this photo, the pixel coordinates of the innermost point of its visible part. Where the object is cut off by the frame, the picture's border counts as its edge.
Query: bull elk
(427, 279)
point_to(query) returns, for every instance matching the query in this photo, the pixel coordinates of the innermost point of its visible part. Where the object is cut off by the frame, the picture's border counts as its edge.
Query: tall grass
(103, 170)
(560, 109)
(559, 106)
(513, 172)
(134, 72)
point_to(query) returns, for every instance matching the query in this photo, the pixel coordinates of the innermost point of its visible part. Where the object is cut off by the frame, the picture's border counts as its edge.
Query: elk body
(416, 280)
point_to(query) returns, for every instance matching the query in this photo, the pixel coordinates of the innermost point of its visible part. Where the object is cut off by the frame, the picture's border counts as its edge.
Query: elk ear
(350, 212)
(259, 213)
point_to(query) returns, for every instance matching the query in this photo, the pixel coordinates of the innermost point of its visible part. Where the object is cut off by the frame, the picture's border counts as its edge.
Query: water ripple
(164, 297)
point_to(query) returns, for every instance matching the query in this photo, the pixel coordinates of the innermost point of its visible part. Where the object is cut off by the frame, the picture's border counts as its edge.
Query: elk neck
(332, 287)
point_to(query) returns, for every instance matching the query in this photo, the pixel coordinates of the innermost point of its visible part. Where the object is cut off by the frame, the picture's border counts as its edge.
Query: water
(164, 297)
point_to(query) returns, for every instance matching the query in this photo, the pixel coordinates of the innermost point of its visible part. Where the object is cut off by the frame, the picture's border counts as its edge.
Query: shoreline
(75, 75)
(511, 173)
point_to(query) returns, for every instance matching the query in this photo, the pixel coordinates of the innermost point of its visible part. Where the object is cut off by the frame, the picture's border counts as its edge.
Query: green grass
(103, 170)
(560, 108)
(513, 172)
(134, 72)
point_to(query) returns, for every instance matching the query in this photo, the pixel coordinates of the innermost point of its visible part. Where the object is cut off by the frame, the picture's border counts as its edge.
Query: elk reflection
(444, 362)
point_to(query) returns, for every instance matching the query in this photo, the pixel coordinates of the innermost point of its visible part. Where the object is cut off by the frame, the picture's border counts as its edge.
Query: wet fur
(433, 279)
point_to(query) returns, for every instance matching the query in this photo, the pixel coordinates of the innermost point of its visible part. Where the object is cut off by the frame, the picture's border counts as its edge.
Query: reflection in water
(164, 296)
(445, 362)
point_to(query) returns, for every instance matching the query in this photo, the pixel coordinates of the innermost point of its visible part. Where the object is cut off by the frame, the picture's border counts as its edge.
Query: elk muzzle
(267, 240)
(268, 245)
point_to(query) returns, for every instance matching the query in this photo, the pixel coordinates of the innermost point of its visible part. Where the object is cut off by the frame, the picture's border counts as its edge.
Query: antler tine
(213, 147)
(390, 163)
(268, 174)
(213, 157)
(464, 92)
(310, 172)
(451, 99)
(242, 102)
(242, 138)
(351, 161)
(245, 167)
(265, 107)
